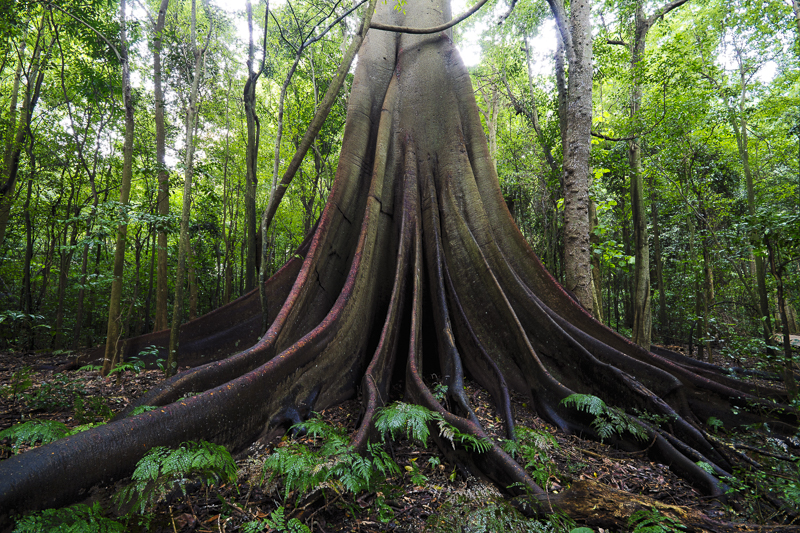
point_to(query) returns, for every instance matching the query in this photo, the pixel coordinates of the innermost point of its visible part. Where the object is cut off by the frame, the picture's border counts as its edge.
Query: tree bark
(253, 136)
(184, 250)
(114, 329)
(162, 200)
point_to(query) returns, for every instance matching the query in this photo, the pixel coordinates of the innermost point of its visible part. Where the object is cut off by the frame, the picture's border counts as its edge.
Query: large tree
(416, 268)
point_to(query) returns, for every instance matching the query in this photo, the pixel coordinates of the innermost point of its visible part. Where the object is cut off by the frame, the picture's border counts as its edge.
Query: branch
(507, 13)
(435, 29)
(616, 41)
(663, 10)
(637, 135)
(81, 21)
(334, 23)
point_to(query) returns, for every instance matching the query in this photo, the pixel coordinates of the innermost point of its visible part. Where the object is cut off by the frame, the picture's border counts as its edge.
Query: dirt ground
(31, 387)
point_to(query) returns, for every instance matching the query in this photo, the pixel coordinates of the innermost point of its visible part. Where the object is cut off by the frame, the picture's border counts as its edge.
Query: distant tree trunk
(740, 131)
(642, 315)
(162, 201)
(662, 296)
(183, 247)
(63, 278)
(576, 141)
(14, 148)
(27, 290)
(114, 329)
(251, 157)
(76, 334)
(777, 268)
(597, 278)
(192, 267)
(151, 250)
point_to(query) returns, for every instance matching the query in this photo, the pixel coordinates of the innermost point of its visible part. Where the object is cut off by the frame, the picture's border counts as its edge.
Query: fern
(142, 409)
(534, 447)
(608, 420)
(278, 521)
(412, 421)
(335, 463)
(406, 419)
(33, 431)
(78, 518)
(162, 469)
(652, 521)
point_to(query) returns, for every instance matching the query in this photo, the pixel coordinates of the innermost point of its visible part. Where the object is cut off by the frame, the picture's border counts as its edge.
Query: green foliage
(20, 382)
(479, 512)
(714, 423)
(134, 364)
(33, 431)
(652, 521)
(535, 447)
(278, 521)
(335, 463)
(412, 420)
(78, 518)
(40, 431)
(405, 419)
(608, 420)
(54, 395)
(142, 409)
(164, 469)
(90, 409)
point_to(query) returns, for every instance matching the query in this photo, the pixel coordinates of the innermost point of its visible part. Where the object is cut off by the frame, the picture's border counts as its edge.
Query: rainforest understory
(416, 276)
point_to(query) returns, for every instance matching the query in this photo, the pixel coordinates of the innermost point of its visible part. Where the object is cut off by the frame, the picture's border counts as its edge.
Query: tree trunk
(13, 152)
(416, 263)
(184, 251)
(251, 157)
(663, 330)
(162, 201)
(642, 317)
(114, 329)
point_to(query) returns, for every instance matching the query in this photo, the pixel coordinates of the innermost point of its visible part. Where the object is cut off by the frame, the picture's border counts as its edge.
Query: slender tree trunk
(183, 247)
(576, 35)
(597, 278)
(740, 131)
(192, 267)
(251, 157)
(162, 201)
(63, 278)
(777, 271)
(27, 290)
(151, 278)
(13, 152)
(662, 295)
(642, 318)
(114, 329)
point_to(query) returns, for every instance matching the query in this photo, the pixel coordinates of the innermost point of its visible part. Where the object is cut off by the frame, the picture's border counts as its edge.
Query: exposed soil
(449, 497)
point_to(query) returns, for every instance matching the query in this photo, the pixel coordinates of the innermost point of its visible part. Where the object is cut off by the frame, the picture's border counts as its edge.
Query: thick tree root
(598, 505)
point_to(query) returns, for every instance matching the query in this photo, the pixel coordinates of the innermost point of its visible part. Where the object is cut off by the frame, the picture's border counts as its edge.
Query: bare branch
(435, 29)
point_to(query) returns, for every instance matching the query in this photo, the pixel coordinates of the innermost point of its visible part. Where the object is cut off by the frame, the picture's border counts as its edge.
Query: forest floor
(428, 495)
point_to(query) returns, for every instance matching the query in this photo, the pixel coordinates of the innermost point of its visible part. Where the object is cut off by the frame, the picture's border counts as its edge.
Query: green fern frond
(652, 521)
(585, 402)
(403, 418)
(608, 420)
(33, 431)
(162, 469)
(334, 463)
(78, 518)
